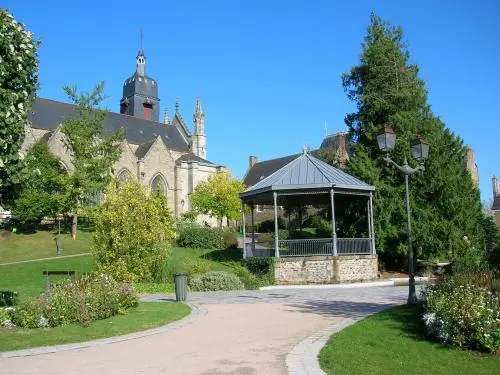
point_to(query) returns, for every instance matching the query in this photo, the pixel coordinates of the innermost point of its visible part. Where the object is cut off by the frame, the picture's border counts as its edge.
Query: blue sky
(268, 72)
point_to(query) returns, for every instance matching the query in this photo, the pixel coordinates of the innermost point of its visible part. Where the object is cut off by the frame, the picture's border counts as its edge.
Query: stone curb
(303, 358)
(390, 282)
(197, 311)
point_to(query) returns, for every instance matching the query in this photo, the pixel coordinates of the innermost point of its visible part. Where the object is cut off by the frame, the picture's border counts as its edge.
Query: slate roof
(496, 203)
(192, 157)
(143, 149)
(307, 172)
(265, 168)
(48, 114)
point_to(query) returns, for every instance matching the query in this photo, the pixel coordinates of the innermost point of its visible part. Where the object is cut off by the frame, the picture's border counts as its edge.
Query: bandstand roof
(306, 173)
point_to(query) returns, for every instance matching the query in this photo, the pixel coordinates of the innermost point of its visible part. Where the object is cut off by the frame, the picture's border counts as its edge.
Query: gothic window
(122, 176)
(148, 108)
(158, 184)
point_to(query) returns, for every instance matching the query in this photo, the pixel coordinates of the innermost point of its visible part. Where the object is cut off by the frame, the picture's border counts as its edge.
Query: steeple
(199, 140)
(166, 120)
(140, 93)
(141, 63)
(199, 118)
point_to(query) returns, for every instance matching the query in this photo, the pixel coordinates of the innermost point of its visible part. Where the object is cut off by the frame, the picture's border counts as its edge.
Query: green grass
(146, 315)
(394, 342)
(41, 244)
(27, 280)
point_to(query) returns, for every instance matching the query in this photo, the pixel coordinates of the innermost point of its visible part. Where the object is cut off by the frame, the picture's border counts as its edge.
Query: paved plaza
(241, 332)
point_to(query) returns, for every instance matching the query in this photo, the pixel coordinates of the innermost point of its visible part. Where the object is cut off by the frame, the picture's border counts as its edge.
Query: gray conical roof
(308, 172)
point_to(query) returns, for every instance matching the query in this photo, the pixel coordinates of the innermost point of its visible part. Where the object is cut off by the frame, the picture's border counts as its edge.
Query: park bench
(47, 275)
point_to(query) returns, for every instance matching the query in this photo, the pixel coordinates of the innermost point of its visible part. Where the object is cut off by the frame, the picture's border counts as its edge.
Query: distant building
(471, 166)
(495, 208)
(161, 155)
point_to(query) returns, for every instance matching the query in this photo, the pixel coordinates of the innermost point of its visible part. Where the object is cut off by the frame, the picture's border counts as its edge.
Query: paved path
(243, 333)
(41, 259)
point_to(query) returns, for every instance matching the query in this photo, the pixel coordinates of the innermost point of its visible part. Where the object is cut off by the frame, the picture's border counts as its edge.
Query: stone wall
(326, 269)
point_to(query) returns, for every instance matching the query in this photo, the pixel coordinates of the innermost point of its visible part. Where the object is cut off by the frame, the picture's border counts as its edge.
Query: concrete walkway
(245, 333)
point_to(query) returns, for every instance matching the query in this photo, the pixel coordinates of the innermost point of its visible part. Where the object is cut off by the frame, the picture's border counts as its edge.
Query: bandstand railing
(310, 247)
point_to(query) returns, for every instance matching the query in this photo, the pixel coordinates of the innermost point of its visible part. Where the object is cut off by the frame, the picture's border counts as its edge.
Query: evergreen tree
(446, 208)
(93, 154)
(18, 85)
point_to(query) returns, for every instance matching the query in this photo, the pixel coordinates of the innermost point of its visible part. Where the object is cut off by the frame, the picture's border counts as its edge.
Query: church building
(162, 155)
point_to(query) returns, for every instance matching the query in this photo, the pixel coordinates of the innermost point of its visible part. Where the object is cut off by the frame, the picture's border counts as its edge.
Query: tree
(43, 191)
(93, 155)
(18, 85)
(133, 228)
(445, 203)
(218, 197)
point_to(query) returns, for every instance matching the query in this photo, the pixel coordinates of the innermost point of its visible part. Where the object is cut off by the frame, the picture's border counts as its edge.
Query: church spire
(141, 63)
(199, 109)
(166, 120)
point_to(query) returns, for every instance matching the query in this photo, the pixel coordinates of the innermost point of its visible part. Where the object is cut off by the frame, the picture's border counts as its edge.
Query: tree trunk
(220, 223)
(73, 226)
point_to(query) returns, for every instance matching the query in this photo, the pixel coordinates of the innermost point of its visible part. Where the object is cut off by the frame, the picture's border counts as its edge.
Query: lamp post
(420, 151)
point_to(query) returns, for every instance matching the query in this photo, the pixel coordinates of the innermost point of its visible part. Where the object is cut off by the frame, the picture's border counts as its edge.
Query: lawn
(27, 280)
(394, 342)
(146, 315)
(41, 244)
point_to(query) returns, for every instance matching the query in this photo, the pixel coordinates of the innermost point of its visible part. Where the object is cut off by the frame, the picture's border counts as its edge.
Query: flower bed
(81, 300)
(462, 312)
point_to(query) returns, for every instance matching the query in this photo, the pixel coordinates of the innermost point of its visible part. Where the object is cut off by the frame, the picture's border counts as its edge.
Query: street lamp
(386, 140)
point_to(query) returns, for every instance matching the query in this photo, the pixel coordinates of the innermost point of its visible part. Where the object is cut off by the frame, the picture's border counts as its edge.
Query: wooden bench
(47, 275)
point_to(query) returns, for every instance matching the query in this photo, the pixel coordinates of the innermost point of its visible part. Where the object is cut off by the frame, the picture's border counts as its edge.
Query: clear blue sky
(268, 72)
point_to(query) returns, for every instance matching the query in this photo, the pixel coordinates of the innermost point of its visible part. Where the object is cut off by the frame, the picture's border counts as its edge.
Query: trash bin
(180, 281)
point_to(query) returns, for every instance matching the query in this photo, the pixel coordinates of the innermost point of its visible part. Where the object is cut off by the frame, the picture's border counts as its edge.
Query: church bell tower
(140, 93)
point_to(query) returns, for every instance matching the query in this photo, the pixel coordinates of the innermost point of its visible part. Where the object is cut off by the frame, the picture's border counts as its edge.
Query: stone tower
(199, 139)
(140, 93)
(471, 166)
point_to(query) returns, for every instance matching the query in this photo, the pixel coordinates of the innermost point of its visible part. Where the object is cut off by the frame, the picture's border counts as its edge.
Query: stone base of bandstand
(325, 269)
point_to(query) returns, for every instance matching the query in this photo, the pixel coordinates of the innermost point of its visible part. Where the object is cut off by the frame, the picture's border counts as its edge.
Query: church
(162, 155)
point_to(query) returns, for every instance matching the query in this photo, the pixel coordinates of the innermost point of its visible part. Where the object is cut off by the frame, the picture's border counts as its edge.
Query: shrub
(5, 314)
(81, 300)
(230, 240)
(128, 228)
(7, 298)
(260, 266)
(195, 267)
(197, 237)
(216, 280)
(462, 313)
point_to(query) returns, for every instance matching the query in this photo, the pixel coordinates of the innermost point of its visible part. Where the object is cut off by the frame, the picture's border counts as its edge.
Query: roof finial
(141, 36)
(165, 117)
(199, 109)
(176, 106)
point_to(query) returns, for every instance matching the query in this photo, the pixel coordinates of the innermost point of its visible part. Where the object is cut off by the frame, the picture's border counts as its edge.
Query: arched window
(158, 184)
(122, 176)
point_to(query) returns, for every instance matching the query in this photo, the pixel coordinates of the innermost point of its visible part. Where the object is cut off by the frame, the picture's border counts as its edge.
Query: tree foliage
(133, 228)
(445, 203)
(18, 85)
(93, 154)
(43, 191)
(218, 197)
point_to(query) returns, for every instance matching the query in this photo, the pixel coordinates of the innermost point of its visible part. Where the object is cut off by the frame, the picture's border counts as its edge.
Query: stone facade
(164, 156)
(325, 269)
(495, 208)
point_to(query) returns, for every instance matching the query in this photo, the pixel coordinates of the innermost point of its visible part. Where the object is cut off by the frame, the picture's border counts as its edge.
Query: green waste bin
(180, 281)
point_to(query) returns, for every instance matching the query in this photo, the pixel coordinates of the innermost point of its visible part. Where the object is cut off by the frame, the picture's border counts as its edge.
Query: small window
(148, 109)
(124, 109)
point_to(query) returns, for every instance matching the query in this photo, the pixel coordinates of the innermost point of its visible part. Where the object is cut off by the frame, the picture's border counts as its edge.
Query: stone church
(162, 155)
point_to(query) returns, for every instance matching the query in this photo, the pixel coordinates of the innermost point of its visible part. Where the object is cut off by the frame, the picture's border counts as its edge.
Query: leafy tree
(43, 192)
(18, 85)
(93, 155)
(218, 197)
(444, 201)
(133, 228)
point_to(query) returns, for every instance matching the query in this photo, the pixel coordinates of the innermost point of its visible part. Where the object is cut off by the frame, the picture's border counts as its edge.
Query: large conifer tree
(446, 207)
